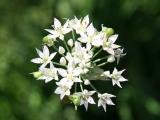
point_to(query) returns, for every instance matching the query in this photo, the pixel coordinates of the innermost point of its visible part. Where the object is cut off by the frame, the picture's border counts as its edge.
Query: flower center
(69, 76)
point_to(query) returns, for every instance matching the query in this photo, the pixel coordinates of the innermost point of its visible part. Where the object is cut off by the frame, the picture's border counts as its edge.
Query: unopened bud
(75, 99)
(62, 61)
(61, 50)
(86, 82)
(48, 40)
(108, 31)
(70, 42)
(37, 74)
(111, 59)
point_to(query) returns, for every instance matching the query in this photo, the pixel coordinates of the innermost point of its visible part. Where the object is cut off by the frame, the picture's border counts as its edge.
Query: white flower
(105, 99)
(45, 57)
(85, 97)
(63, 88)
(109, 45)
(48, 74)
(88, 36)
(118, 53)
(117, 77)
(81, 25)
(82, 56)
(59, 30)
(71, 74)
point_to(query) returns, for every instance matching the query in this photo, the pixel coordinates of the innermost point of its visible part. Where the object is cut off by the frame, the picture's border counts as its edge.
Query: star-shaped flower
(71, 74)
(44, 57)
(85, 98)
(105, 99)
(63, 88)
(59, 30)
(48, 74)
(117, 77)
(109, 45)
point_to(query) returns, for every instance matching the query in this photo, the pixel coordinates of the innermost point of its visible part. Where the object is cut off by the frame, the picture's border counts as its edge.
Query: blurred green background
(22, 24)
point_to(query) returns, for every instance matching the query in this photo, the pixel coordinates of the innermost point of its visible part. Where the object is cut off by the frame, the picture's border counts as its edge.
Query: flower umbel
(70, 56)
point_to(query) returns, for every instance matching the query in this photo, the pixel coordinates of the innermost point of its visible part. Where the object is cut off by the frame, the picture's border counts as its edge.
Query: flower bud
(86, 82)
(48, 40)
(75, 99)
(37, 74)
(70, 42)
(111, 59)
(108, 31)
(62, 61)
(61, 50)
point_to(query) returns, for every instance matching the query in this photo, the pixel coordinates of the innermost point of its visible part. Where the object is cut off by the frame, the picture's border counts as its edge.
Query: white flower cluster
(75, 61)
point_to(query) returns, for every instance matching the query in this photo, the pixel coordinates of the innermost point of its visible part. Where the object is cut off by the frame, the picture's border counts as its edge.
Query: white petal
(99, 103)
(90, 100)
(113, 38)
(110, 51)
(88, 46)
(53, 32)
(104, 107)
(62, 72)
(77, 80)
(57, 23)
(58, 90)
(117, 83)
(45, 51)
(48, 79)
(39, 53)
(109, 101)
(37, 60)
(52, 55)
(114, 46)
(77, 72)
(86, 105)
(97, 42)
(90, 30)
(91, 92)
(62, 96)
(85, 21)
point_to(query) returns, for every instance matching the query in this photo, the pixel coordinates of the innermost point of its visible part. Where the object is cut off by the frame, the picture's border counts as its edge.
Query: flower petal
(57, 23)
(37, 60)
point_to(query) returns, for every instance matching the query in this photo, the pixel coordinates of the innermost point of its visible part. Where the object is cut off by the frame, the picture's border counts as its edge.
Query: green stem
(97, 60)
(81, 87)
(75, 87)
(97, 53)
(65, 44)
(59, 64)
(102, 64)
(74, 38)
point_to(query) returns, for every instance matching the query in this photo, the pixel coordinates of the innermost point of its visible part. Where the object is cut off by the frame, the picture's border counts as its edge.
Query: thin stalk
(75, 87)
(97, 53)
(97, 60)
(74, 38)
(65, 44)
(81, 86)
(58, 64)
(102, 64)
